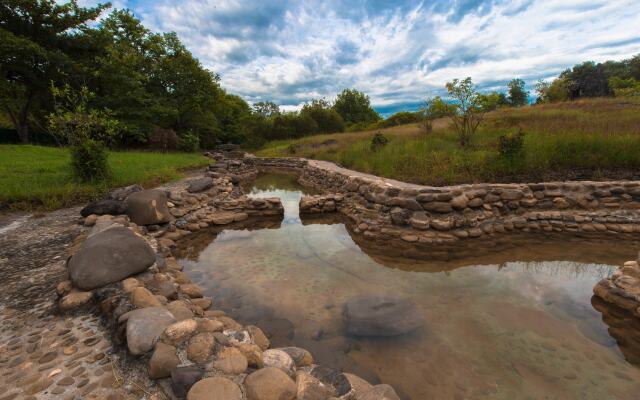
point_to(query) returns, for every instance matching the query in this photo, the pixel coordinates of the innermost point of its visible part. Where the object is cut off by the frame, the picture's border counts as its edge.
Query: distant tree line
(591, 79)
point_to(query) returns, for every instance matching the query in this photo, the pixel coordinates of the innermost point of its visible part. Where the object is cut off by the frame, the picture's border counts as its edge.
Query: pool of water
(509, 319)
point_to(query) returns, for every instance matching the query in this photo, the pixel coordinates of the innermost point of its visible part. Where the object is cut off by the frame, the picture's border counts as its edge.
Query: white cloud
(290, 52)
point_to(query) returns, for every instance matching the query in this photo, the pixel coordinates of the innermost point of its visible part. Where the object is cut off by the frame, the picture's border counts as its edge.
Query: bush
(189, 143)
(378, 141)
(163, 139)
(89, 161)
(511, 146)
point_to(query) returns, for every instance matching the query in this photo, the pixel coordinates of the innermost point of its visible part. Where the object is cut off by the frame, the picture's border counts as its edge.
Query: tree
(432, 109)
(355, 107)
(326, 118)
(266, 109)
(469, 108)
(550, 92)
(39, 40)
(518, 96)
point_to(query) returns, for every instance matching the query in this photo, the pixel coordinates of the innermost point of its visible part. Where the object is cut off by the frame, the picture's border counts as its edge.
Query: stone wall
(385, 208)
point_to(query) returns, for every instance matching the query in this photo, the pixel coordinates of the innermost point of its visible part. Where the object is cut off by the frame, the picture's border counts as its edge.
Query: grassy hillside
(40, 177)
(588, 139)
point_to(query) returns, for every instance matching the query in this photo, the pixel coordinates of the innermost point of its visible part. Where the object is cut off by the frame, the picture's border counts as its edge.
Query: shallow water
(512, 319)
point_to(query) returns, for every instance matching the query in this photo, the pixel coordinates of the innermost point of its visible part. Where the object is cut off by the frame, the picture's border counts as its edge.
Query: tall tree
(355, 107)
(327, 119)
(39, 41)
(266, 109)
(518, 96)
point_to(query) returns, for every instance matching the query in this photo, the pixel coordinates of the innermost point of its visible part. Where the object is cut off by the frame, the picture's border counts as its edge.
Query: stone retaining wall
(385, 208)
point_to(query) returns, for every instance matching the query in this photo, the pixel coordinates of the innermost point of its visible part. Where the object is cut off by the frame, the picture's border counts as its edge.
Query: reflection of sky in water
(496, 315)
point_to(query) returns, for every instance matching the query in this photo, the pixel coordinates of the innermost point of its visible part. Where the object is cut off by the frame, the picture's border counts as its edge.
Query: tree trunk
(23, 133)
(21, 120)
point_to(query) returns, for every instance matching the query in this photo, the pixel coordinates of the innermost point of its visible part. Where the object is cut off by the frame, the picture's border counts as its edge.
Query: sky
(398, 52)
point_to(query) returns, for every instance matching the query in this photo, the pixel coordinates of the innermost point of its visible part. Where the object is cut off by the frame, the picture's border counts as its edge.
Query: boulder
(310, 388)
(163, 361)
(111, 207)
(300, 356)
(183, 378)
(109, 256)
(141, 297)
(148, 207)
(144, 327)
(270, 384)
(332, 378)
(252, 353)
(200, 184)
(378, 315)
(258, 337)
(215, 389)
(279, 359)
(201, 347)
(231, 361)
(124, 192)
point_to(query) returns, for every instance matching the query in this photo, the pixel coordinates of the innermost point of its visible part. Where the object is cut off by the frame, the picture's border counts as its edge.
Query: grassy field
(588, 139)
(40, 177)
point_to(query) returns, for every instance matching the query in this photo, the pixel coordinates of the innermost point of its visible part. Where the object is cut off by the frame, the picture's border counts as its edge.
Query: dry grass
(587, 139)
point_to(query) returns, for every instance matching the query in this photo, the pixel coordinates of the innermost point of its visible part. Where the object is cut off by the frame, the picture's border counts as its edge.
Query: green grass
(38, 177)
(589, 139)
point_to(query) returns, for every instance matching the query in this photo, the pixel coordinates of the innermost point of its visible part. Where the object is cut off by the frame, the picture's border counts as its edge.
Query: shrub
(89, 161)
(163, 139)
(511, 146)
(189, 143)
(378, 141)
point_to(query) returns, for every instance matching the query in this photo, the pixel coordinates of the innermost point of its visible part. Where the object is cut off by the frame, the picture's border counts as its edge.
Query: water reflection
(506, 319)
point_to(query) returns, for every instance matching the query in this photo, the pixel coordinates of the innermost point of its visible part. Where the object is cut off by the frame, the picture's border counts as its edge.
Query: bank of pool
(511, 318)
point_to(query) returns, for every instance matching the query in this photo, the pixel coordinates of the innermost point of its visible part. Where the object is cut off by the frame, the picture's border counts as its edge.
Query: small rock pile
(622, 288)
(125, 265)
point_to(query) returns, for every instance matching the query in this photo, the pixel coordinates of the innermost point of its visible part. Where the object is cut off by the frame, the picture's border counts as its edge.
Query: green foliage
(73, 122)
(378, 141)
(355, 107)
(89, 161)
(434, 108)
(629, 87)
(266, 109)
(326, 118)
(518, 96)
(40, 41)
(189, 142)
(511, 146)
(469, 108)
(556, 91)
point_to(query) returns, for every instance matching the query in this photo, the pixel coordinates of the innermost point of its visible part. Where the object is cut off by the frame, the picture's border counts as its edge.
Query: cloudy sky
(398, 52)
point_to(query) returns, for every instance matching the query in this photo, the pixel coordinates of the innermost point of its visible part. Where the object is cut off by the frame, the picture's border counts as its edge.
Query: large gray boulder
(144, 327)
(109, 256)
(148, 207)
(378, 315)
(200, 184)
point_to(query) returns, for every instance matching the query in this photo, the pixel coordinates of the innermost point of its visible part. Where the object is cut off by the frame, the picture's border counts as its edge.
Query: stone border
(164, 320)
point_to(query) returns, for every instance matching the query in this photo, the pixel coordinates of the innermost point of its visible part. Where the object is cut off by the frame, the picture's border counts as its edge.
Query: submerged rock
(109, 256)
(381, 316)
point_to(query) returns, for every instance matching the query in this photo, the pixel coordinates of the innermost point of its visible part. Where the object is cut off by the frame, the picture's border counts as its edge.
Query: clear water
(512, 319)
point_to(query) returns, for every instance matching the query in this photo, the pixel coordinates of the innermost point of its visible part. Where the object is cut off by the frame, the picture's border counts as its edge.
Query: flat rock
(378, 315)
(270, 384)
(200, 184)
(163, 361)
(215, 389)
(183, 378)
(124, 192)
(144, 327)
(109, 256)
(111, 207)
(148, 207)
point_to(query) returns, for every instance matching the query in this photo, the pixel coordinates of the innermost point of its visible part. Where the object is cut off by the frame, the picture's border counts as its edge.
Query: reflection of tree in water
(624, 327)
(271, 182)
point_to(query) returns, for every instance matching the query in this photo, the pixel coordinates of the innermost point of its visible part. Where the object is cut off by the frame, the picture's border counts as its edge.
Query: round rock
(270, 384)
(215, 389)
